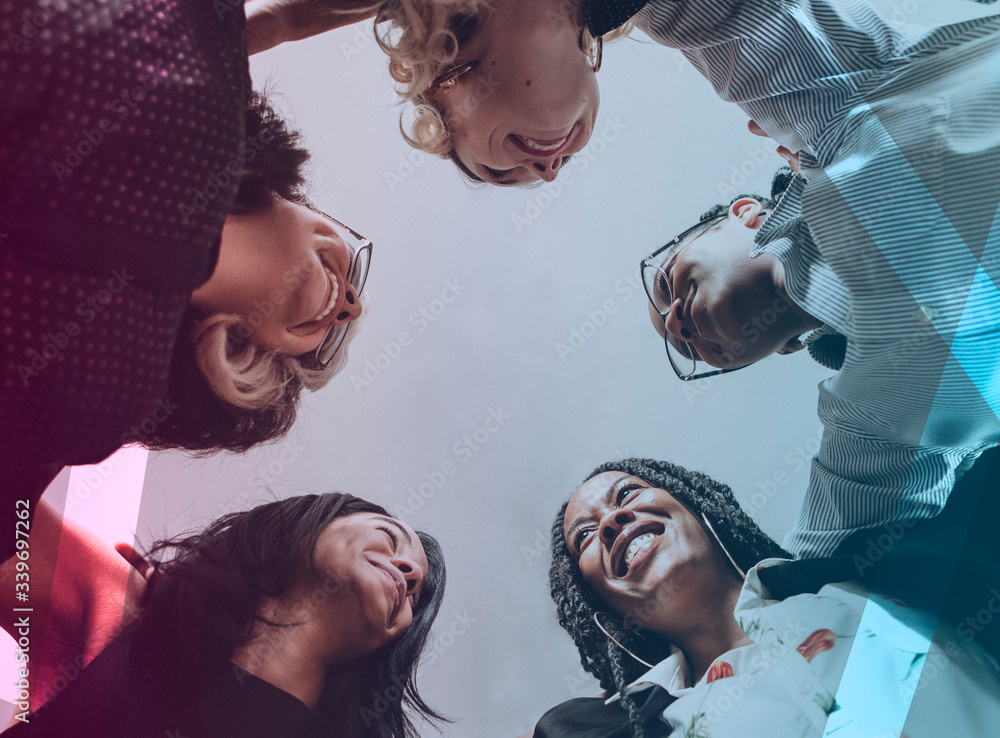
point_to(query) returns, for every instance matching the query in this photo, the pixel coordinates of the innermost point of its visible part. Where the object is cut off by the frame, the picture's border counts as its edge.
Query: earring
(615, 641)
(596, 52)
(723, 547)
(599, 54)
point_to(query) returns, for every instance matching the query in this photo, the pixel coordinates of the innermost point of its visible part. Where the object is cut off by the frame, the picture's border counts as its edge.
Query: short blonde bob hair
(227, 392)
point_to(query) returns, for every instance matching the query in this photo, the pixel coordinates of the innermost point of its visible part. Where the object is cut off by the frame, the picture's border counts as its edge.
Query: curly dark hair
(208, 596)
(576, 602)
(200, 421)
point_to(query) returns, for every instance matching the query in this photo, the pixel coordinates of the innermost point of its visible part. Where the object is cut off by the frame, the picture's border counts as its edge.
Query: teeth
(541, 147)
(334, 294)
(637, 543)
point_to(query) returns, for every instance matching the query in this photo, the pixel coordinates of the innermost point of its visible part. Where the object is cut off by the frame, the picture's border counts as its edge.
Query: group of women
(158, 244)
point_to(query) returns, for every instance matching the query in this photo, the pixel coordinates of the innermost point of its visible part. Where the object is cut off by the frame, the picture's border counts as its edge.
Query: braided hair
(576, 602)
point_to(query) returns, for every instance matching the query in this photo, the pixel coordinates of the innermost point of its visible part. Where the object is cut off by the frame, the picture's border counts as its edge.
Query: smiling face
(645, 554)
(530, 102)
(284, 271)
(729, 309)
(376, 569)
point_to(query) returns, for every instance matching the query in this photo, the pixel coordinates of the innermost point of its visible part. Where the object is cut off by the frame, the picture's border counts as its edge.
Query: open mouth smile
(334, 295)
(335, 292)
(399, 591)
(537, 147)
(633, 545)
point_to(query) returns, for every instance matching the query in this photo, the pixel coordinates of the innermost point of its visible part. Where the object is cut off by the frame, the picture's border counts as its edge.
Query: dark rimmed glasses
(449, 78)
(681, 355)
(357, 273)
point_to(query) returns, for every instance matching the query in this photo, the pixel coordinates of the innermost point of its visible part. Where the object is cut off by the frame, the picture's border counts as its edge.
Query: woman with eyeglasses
(163, 279)
(299, 618)
(664, 584)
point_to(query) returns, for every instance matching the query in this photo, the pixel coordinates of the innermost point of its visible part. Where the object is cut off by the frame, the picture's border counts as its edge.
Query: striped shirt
(891, 235)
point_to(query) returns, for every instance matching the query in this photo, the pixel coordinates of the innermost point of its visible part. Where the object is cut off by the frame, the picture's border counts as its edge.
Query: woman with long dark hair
(301, 617)
(657, 575)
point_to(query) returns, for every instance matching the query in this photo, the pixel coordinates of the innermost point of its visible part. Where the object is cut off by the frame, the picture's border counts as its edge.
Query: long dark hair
(576, 602)
(208, 596)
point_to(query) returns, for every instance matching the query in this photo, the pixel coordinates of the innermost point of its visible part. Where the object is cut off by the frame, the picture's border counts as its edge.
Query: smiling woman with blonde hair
(508, 84)
(163, 278)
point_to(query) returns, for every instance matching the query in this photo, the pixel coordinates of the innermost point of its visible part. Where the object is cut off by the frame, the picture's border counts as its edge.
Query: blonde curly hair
(422, 39)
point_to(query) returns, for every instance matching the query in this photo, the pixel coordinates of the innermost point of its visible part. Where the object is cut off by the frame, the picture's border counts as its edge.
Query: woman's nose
(351, 309)
(413, 575)
(612, 524)
(548, 169)
(675, 323)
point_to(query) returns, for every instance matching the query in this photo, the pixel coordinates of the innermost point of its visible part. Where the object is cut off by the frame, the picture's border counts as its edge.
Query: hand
(141, 576)
(273, 22)
(784, 153)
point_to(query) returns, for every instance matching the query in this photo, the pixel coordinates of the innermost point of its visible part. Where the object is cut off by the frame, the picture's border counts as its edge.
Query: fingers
(756, 129)
(135, 559)
(789, 157)
(784, 153)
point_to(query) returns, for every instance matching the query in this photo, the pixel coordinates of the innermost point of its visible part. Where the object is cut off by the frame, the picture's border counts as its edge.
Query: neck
(800, 320)
(713, 633)
(286, 658)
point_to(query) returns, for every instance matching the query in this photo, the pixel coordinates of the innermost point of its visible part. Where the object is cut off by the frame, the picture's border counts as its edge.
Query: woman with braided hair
(657, 576)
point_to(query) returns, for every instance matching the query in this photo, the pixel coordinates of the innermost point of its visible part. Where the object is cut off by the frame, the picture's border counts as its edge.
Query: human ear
(747, 210)
(656, 319)
(793, 345)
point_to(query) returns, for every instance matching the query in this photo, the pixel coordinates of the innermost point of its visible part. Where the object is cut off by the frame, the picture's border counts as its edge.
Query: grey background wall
(522, 306)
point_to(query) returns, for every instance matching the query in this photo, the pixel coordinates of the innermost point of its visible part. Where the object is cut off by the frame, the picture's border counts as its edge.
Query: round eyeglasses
(357, 273)
(683, 357)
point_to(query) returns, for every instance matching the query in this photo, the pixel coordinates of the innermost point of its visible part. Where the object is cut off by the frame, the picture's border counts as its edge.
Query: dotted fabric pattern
(603, 16)
(122, 130)
(122, 141)
(85, 362)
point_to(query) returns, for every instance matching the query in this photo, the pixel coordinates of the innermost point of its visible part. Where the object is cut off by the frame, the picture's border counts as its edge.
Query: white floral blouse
(841, 663)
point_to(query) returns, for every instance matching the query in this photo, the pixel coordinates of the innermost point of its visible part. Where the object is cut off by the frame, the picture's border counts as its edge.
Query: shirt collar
(672, 674)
